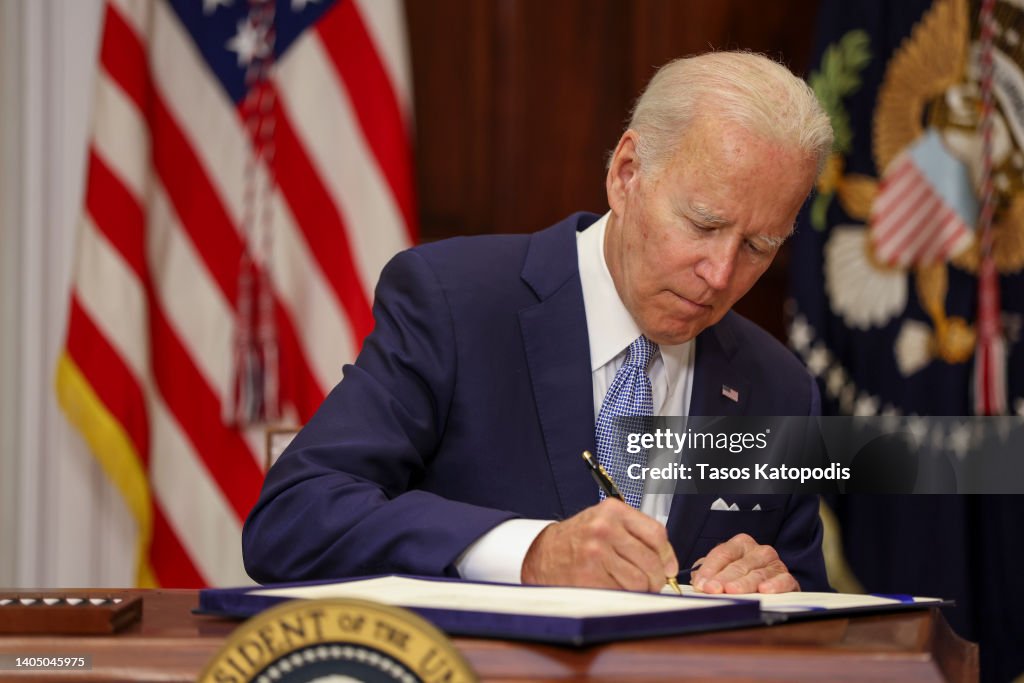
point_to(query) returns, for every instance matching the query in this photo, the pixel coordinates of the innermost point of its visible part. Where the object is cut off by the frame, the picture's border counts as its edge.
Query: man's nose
(718, 264)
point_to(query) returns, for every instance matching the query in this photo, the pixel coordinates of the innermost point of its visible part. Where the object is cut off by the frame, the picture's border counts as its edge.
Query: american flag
(249, 174)
(925, 208)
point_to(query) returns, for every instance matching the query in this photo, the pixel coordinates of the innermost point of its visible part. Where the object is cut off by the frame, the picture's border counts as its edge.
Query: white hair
(745, 88)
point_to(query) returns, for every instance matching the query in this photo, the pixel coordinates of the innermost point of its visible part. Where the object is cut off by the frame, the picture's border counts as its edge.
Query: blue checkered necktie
(627, 407)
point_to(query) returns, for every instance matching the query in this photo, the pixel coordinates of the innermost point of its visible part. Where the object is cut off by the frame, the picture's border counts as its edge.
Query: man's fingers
(721, 556)
(746, 582)
(610, 545)
(653, 535)
(756, 557)
(641, 544)
(629, 575)
(764, 580)
(741, 565)
(628, 562)
(780, 583)
(648, 562)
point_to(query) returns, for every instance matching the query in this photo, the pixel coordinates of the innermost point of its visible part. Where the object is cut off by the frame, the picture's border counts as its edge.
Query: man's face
(685, 242)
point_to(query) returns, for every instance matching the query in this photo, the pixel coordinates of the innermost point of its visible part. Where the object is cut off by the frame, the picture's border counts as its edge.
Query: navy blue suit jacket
(469, 405)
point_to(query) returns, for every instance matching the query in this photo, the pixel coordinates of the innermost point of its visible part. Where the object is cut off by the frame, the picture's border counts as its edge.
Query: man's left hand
(741, 565)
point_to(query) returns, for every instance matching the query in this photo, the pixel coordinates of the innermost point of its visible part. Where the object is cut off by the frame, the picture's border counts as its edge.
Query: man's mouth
(696, 305)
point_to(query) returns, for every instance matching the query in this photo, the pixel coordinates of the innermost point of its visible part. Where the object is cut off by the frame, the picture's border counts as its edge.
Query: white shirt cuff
(498, 555)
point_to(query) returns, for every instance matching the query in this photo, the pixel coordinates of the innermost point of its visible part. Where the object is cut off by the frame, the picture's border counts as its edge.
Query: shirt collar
(610, 327)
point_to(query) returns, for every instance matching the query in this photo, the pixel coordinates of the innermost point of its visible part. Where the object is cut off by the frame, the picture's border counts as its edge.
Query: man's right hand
(609, 545)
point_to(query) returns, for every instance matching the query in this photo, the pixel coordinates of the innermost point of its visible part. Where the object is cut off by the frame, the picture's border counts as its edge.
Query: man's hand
(740, 565)
(609, 545)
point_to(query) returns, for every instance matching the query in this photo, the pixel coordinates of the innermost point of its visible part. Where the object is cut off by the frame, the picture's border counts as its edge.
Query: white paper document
(510, 599)
(806, 601)
(567, 602)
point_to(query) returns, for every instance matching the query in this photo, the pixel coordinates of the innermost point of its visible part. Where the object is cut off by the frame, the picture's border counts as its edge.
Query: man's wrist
(499, 554)
(531, 571)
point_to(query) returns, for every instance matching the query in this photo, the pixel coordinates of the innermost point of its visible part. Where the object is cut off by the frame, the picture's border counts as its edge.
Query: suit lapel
(715, 379)
(558, 355)
(718, 386)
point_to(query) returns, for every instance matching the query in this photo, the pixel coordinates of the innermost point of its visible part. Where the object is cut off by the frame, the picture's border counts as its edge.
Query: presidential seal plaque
(337, 641)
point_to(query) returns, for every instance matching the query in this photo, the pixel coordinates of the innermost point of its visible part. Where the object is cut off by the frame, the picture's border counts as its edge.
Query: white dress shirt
(498, 555)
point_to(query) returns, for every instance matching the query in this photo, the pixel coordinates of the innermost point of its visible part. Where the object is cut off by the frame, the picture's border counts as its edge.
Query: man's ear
(622, 171)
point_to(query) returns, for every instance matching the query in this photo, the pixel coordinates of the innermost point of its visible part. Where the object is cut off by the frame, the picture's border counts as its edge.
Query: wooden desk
(172, 644)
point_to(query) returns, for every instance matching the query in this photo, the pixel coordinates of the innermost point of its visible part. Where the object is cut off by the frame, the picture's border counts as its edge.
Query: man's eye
(756, 250)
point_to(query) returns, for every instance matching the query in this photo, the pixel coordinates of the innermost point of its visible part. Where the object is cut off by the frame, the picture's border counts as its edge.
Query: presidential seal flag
(907, 283)
(249, 174)
(888, 307)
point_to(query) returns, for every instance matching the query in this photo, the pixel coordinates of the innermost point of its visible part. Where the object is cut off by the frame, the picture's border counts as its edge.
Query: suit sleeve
(342, 499)
(799, 543)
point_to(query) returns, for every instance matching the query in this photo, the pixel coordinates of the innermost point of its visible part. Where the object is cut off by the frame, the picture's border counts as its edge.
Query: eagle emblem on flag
(946, 140)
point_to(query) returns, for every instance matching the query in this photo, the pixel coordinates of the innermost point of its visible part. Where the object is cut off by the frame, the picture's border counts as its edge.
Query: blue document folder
(578, 616)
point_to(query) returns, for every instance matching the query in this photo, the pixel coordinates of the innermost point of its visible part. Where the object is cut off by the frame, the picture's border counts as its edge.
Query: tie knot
(640, 352)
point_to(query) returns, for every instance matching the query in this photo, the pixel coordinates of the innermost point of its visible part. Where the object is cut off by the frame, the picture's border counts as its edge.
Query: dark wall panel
(518, 102)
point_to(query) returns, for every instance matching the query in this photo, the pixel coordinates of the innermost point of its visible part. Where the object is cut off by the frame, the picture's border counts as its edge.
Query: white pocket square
(721, 505)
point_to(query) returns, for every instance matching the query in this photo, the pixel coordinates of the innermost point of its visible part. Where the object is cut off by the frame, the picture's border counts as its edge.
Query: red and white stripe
(911, 223)
(153, 300)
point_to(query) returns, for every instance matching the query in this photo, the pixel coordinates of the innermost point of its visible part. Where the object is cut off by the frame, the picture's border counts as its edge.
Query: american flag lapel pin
(730, 393)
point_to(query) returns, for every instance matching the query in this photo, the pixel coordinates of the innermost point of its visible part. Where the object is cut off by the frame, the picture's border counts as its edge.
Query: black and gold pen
(612, 491)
